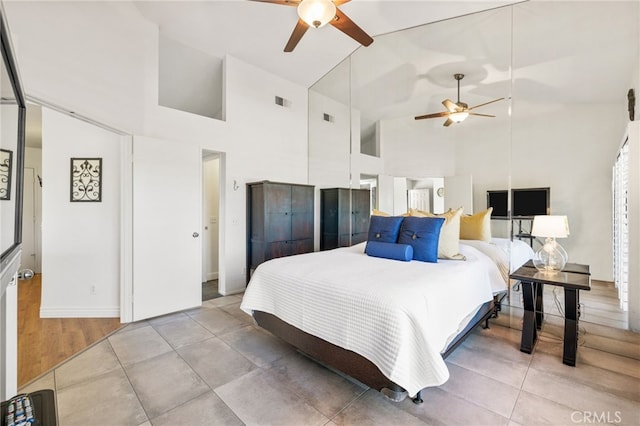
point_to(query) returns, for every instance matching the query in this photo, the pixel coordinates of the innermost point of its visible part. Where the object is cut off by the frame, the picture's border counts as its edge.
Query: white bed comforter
(399, 315)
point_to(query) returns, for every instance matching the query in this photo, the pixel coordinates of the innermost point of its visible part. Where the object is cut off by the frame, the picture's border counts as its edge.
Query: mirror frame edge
(10, 64)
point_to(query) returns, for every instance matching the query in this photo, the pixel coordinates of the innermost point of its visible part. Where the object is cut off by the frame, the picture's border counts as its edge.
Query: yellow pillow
(476, 226)
(376, 212)
(449, 241)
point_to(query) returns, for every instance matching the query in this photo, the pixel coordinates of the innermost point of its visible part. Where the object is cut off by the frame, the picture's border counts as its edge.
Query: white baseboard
(212, 276)
(107, 312)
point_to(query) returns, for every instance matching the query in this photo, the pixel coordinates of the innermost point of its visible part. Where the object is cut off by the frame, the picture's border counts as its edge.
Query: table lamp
(551, 258)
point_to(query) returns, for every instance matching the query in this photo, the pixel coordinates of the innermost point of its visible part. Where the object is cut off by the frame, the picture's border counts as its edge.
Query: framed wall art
(86, 180)
(6, 164)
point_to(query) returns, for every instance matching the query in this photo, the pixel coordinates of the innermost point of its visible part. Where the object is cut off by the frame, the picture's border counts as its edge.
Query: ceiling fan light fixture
(316, 13)
(458, 117)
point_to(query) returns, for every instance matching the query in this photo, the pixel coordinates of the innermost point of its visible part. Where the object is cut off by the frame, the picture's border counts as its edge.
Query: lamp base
(551, 258)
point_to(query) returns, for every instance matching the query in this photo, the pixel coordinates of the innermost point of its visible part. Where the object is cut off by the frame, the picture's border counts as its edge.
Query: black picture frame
(6, 169)
(86, 180)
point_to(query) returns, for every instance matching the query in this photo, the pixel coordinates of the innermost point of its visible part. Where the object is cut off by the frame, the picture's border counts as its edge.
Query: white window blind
(621, 225)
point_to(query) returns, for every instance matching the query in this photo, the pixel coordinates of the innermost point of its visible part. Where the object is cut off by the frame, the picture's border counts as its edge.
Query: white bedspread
(508, 256)
(399, 315)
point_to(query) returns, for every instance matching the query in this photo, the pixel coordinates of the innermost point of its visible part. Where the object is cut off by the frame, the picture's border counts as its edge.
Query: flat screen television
(528, 202)
(525, 202)
(499, 200)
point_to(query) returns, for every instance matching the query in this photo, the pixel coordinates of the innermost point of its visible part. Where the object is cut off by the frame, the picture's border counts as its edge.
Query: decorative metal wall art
(86, 179)
(6, 164)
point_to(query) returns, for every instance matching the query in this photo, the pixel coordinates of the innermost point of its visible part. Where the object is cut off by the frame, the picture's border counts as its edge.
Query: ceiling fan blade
(296, 35)
(339, 2)
(347, 26)
(435, 115)
(481, 115)
(486, 103)
(450, 105)
(448, 123)
(282, 2)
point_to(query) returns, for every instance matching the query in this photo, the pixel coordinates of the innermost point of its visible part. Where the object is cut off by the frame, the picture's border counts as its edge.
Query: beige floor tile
(164, 382)
(594, 377)
(473, 387)
(222, 301)
(259, 398)
(578, 396)
(46, 381)
(92, 402)
(138, 345)
(182, 331)
(215, 361)
(446, 409)
(492, 358)
(259, 346)
(234, 310)
(216, 320)
(206, 409)
(166, 318)
(372, 409)
(324, 389)
(535, 410)
(612, 362)
(95, 361)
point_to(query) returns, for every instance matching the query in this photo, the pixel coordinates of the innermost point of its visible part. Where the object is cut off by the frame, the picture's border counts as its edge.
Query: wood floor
(45, 343)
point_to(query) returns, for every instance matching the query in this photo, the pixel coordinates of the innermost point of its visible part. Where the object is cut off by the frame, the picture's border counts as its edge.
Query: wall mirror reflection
(11, 145)
(560, 126)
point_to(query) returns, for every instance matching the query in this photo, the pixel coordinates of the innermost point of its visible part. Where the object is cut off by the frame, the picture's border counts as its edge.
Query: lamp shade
(458, 117)
(550, 226)
(316, 12)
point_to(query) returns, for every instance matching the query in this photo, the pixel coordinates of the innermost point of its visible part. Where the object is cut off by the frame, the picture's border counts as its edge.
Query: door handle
(25, 274)
(195, 235)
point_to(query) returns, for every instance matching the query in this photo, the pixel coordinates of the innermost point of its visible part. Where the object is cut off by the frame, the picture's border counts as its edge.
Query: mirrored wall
(12, 121)
(561, 74)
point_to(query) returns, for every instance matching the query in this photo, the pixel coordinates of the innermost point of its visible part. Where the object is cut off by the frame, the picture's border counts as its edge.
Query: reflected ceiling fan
(318, 13)
(459, 111)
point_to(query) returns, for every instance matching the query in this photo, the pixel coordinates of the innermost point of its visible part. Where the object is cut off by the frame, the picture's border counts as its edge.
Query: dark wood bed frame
(349, 362)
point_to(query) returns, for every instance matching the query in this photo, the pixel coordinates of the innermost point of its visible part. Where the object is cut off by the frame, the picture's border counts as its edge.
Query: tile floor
(211, 366)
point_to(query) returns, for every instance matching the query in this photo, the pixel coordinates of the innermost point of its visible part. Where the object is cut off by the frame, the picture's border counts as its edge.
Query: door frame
(126, 229)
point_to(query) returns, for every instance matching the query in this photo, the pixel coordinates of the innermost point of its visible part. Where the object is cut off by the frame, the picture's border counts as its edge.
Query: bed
(388, 324)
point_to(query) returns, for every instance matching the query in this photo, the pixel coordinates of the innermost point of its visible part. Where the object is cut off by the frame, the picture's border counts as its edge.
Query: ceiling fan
(318, 13)
(459, 111)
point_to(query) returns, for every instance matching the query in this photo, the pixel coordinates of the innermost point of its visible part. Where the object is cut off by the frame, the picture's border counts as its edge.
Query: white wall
(112, 77)
(189, 80)
(80, 240)
(86, 56)
(634, 225)
(572, 150)
(417, 149)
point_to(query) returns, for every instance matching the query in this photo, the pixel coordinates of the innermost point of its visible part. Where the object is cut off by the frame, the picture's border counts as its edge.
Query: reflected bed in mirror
(558, 127)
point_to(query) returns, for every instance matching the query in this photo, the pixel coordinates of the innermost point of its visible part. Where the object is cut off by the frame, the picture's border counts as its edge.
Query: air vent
(282, 102)
(327, 117)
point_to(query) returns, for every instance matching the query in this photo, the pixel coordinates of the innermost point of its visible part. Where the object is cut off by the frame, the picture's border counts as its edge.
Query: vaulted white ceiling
(257, 32)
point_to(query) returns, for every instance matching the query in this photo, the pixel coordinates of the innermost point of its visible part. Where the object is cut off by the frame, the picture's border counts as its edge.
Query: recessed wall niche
(189, 80)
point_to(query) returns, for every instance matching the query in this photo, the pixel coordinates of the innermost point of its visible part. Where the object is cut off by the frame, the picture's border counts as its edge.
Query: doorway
(211, 162)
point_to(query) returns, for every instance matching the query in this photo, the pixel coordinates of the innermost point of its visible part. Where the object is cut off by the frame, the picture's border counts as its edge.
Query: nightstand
(573, 278)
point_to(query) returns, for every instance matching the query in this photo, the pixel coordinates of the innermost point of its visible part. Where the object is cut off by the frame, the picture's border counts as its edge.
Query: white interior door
(166, 225)
(29, 221)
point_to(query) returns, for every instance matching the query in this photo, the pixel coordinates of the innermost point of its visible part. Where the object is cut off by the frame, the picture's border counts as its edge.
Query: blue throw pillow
(384, 228)
(423, 234)
(393, 251)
